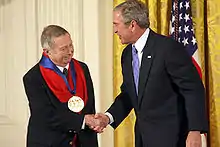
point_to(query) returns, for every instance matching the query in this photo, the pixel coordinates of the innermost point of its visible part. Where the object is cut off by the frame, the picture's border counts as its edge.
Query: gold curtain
(213, 55)
(206, 20)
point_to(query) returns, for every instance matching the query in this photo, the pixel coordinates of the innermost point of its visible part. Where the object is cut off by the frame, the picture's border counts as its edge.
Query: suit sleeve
(44, 112)
(120, 108)
(185, 76)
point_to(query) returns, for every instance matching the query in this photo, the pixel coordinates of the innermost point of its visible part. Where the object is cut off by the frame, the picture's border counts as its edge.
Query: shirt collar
(140, 43)
(61, 68)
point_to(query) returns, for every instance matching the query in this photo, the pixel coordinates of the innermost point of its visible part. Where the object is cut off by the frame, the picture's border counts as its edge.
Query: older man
(60, 93)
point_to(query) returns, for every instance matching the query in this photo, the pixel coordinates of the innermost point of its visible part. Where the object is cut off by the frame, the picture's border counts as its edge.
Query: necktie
(135, 67)
(65, 72)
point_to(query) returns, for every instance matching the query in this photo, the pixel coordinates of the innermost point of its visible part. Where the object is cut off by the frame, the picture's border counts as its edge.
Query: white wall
(21, 22)
(98, 41)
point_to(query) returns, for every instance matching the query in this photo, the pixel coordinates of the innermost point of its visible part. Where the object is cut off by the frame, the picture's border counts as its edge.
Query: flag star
(187, 5)
(180, 29)
(180, 16)
(192, 30)
(173, 18)
(193, 40)
(181, 5)
(179, 40)
(174, 5)
(185, 41)
(186, 17)
(186, 29)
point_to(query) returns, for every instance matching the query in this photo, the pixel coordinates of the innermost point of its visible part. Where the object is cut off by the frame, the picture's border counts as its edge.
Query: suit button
(71, 143)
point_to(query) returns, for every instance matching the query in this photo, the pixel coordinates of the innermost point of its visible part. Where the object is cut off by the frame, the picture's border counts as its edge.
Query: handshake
(97, 122)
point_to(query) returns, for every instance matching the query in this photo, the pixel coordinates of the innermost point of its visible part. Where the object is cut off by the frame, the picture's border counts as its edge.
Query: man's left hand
(194, 139)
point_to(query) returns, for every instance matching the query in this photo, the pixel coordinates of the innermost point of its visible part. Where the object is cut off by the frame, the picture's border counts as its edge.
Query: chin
(122, 42)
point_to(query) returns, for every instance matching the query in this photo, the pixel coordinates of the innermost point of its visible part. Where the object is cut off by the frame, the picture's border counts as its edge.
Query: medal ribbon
(47, 63)
(64, 87)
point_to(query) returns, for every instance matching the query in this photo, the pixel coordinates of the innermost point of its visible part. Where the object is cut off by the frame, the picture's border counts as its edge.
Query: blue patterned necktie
(136, 67)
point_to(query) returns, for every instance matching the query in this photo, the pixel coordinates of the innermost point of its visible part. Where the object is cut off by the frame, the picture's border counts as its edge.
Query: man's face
(61, 51)
(123, 31)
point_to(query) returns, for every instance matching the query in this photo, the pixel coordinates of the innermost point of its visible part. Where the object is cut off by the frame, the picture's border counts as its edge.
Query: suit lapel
(146, 63)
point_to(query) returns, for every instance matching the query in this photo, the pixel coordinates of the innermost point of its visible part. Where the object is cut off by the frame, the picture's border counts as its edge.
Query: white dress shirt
(140, 43)
(62, 68)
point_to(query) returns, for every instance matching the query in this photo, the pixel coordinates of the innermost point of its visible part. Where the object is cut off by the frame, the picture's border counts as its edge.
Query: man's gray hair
(134, 10)
(49, 33)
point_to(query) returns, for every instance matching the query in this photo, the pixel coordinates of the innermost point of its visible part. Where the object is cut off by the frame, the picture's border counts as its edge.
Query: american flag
(182, 30)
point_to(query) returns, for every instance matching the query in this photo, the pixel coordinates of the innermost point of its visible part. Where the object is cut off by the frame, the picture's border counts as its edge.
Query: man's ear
(133, 24)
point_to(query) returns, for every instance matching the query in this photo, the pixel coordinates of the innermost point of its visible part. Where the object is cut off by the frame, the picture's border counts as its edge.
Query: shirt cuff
(111, 119)
(83, 125)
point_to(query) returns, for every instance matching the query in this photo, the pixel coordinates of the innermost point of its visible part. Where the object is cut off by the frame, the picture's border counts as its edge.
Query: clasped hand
(97, 122)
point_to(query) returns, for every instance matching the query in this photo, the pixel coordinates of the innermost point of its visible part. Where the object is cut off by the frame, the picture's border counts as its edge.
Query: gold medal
(75, 104)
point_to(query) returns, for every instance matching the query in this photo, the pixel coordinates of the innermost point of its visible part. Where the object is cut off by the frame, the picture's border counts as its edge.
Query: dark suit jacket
(171, 99)
(51, 123)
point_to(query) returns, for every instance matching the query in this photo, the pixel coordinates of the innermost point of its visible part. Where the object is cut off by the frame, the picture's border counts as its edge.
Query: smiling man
(159, 81)
(61, 97)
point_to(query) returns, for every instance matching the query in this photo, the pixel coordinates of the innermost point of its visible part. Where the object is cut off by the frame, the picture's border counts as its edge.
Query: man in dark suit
(159, 82)
(61, 97)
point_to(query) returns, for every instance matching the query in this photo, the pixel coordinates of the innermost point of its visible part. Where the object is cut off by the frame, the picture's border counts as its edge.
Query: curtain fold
(213, 40)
